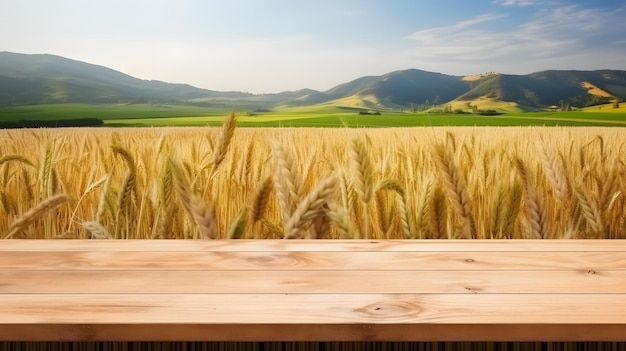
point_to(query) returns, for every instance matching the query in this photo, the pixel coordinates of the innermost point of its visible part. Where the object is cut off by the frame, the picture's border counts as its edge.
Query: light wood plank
(366, 260)
(313, 290)
(442, 282)
(307, 317)
(252, 309)
(317, 245)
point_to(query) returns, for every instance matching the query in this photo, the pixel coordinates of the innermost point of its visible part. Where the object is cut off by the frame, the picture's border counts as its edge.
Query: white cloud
(520, 3)
(432, 35)
(565, 37)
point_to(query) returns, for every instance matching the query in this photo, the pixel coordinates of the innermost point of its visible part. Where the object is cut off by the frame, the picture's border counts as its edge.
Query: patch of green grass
(414, 120)
(189, 115)
(104, 111)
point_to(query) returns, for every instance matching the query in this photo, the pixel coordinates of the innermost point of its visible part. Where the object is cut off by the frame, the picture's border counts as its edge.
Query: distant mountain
(399, 88)
(552, 87)
(35, 79)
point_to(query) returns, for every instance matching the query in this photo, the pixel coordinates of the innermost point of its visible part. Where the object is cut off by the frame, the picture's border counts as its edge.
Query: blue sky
(271, 46)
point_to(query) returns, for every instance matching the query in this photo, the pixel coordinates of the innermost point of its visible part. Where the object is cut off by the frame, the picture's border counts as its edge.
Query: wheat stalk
(89, 189)
(103, 197)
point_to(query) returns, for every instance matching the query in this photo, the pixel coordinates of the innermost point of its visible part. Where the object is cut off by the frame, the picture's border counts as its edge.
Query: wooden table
(323, 290)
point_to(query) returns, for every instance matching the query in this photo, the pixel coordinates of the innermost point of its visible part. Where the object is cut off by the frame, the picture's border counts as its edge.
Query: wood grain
(250, 309)
(431, 282)
(300, 260)
(280, 290)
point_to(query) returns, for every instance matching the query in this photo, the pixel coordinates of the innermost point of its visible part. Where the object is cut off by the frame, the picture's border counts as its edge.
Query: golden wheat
(389, 183)
(32, 215)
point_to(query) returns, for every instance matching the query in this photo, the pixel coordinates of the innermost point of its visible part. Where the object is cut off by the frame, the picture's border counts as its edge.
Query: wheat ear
(497, 215)
(456, 188)
(340, 218)
(286, 181)
(223, 142)
(424, 221)
(363, 179)
(361, 166)
(128, 194)
(247, 165)
(261, 198)
(45, 170)
(310, 207)
(537, 213)
(17, 158)
(395, 186)
(35, 213)
(512, 209)
(202, 214)
(439, 213)
(590, 212)
(238, 225)
(555, 174)
(97, 230)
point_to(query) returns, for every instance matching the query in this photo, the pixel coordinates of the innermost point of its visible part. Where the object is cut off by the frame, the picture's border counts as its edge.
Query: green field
(186, 115)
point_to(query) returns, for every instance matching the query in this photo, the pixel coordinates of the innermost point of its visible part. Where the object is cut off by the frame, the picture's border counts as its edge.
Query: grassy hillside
(400, 89)
(36, 79)
(45, 79)
(548, 88)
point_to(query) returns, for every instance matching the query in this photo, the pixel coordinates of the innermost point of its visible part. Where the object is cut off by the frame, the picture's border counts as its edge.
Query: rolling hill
(399, 89)
(35, 79)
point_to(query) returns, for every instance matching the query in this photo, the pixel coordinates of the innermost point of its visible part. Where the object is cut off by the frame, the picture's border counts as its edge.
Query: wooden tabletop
(322, 290)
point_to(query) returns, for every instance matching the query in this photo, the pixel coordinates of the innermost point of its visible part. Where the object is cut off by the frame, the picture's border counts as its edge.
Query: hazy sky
(276, 45)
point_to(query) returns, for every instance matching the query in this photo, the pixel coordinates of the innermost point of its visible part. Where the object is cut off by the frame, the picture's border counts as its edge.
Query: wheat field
(392, 183)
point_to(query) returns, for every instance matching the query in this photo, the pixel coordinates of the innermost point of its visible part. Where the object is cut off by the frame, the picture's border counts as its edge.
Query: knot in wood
(276, 260)
(391, 310)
